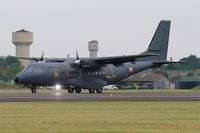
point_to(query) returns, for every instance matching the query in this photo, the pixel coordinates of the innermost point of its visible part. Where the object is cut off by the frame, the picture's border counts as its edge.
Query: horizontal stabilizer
(168, 62)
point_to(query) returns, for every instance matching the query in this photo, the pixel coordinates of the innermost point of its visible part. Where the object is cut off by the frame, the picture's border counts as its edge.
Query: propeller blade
(42, 56)
(77, 57)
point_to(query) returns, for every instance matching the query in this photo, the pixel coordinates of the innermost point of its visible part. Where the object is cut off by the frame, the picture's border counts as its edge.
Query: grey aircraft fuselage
(51, 74)
(95, 73)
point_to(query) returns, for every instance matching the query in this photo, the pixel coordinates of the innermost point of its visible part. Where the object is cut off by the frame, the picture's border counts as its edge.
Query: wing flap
(121, 59)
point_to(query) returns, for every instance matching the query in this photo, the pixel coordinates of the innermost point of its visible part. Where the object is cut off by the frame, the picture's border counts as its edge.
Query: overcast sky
(122, 27)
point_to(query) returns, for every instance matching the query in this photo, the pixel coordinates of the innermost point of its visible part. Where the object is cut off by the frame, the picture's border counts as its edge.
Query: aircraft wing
(94, 62)
(121, 59)
(29, 58)
(43, 59)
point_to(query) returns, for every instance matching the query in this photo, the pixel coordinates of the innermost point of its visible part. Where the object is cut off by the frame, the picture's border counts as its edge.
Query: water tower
(93, 48)
(22, 39)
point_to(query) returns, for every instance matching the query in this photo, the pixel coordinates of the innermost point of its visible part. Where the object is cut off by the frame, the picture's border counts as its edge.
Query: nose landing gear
(33, 89)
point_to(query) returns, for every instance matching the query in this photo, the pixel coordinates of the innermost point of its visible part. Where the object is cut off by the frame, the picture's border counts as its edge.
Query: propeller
(41, 59)
(42, 56)
(83, 63)
(78, 61)
(77, 57)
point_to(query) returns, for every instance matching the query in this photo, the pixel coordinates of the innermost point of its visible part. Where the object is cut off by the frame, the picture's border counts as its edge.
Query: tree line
(192, 63)
(9, 67)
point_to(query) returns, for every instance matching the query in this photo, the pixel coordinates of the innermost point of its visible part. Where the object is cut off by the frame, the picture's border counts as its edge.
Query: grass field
(98, 117)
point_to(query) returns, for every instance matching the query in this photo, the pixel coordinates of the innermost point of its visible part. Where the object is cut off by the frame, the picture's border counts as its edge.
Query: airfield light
(58, 87)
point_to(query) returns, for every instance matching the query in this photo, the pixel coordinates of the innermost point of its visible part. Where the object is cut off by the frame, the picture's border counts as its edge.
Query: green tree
(190, 74)
(192, 63)
(9, 67)
(11, 60)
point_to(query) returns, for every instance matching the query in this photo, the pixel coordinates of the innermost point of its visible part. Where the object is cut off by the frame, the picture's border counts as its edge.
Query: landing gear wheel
(91, 90)
(34, 90)
(100, 90)
(70, 90)
(78, 90)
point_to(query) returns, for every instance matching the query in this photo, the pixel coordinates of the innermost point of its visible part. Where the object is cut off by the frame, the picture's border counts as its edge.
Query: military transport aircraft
(77, 73)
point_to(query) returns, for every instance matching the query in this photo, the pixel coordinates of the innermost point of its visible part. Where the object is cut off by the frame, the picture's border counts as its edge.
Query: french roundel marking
(130, 69)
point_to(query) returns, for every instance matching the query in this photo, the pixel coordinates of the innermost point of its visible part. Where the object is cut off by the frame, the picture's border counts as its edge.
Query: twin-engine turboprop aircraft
(77, 73)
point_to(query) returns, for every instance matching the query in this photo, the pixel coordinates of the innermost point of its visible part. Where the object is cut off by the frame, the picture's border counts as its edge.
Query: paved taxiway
(25, 97)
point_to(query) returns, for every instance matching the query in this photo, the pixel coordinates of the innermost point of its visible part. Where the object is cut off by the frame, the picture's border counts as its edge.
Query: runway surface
(28, 97)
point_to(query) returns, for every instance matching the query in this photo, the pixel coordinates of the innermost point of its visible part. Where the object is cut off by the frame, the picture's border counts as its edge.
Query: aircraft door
(109, 72)
(56, 73)
(65, 74)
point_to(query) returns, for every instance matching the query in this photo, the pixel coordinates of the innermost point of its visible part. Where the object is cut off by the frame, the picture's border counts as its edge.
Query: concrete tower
(93, 48)
(22, 39)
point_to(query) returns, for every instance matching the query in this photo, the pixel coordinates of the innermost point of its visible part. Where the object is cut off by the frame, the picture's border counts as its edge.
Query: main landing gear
(71, 90)
(78, 90)
(100, 90)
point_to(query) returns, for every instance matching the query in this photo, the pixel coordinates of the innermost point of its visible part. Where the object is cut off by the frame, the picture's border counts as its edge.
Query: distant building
(149, 80)
(93, 47)
(187, 82)
(22, 39)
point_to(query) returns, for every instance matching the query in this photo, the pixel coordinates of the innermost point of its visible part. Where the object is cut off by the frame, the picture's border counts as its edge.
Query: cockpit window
(33, 69)
(27, 69)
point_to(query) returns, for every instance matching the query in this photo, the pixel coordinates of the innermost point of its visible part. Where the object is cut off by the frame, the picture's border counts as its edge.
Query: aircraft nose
(17, 79)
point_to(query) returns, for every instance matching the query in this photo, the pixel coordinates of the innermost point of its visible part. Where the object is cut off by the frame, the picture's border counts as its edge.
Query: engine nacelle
(85, 63)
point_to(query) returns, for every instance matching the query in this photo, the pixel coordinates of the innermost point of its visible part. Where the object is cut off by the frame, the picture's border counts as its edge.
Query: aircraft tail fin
(159, 42)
